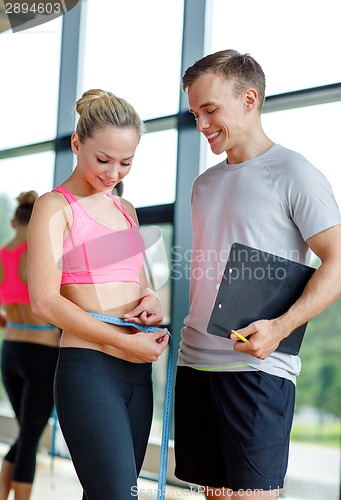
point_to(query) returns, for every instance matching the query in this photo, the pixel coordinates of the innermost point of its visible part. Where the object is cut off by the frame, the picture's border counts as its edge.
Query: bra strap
(121, 208)
(71, 198)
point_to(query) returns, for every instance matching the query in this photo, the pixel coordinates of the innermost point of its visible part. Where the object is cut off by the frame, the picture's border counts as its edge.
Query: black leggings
(104, 405)
(27, 374)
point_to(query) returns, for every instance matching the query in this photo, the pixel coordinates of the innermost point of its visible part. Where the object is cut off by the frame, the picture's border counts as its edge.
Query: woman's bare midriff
(113, 299)
(22, 313)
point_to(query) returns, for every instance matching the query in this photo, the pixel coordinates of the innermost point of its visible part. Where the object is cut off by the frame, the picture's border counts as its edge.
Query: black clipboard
(258, 285)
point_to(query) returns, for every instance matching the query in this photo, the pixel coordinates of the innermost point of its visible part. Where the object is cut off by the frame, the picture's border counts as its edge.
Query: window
(296, 43)
(23, 173)
(133, 49)
(30, 62)
(151, 180)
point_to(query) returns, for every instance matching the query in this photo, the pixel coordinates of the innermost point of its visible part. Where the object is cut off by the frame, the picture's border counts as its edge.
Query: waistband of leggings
(73, 359)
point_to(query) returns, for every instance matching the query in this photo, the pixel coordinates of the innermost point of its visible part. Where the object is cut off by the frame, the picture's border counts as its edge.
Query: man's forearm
(322, 290)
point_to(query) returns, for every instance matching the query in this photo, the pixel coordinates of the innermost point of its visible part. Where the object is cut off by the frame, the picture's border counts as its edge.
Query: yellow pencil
(243, 339)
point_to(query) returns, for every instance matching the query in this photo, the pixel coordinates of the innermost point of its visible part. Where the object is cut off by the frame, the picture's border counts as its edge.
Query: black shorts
(232, 429)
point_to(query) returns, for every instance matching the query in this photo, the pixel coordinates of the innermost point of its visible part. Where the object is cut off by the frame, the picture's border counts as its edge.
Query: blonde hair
(98, 108)
(24, 209)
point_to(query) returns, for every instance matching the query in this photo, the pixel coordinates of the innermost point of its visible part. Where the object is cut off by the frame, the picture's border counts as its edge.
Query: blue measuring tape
(27, 326)
(168, 396)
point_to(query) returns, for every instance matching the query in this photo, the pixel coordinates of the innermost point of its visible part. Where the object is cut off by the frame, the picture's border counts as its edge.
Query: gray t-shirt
(274, 202)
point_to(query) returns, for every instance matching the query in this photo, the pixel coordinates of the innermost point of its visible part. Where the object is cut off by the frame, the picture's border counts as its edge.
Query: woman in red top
(28, 358)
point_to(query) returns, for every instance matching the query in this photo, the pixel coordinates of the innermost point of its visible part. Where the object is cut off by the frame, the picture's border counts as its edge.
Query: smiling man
(234, 401)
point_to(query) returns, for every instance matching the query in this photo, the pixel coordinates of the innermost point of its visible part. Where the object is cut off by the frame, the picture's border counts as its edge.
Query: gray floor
(308, 478)
(61, 483)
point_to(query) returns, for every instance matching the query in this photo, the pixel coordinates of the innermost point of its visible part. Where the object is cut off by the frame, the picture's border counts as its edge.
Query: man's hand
(263, 337)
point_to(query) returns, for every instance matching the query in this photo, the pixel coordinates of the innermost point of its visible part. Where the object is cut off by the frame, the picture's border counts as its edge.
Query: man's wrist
(284, 325)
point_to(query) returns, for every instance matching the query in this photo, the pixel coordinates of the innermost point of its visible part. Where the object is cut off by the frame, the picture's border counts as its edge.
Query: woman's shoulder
(129, 207)
(51, 199)
(126, 204)
(49, 207)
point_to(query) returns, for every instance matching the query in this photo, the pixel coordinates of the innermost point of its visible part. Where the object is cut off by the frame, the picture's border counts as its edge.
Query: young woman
(86, 256)
(28, 358)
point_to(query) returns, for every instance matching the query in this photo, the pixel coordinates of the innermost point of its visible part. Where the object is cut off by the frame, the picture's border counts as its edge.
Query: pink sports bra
(12, 289)
(95, 253)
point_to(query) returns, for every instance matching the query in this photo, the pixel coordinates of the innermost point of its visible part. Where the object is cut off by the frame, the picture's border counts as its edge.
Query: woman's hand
(3, 320)
(147, 312)
(145, 347)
